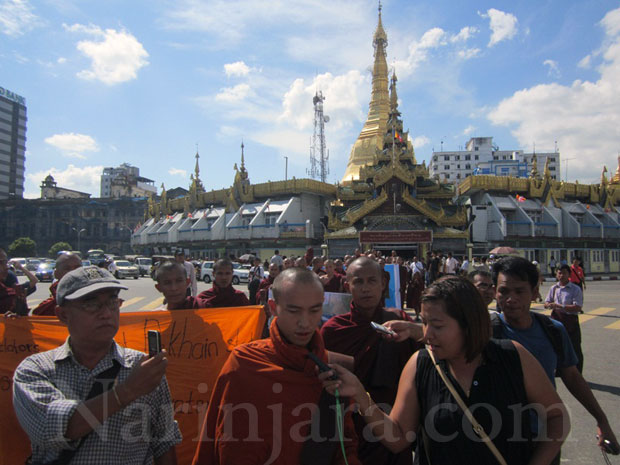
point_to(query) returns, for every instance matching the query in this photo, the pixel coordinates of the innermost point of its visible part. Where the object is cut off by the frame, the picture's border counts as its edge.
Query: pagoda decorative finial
(393, 94)
(534, 172)
(616, 178)
(197, 169)
(242, 159)
(604, 176)
(371, 136)
(547, 170)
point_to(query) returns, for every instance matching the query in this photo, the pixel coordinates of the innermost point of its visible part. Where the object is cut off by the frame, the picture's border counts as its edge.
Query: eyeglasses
(484, 286)
(94, 307)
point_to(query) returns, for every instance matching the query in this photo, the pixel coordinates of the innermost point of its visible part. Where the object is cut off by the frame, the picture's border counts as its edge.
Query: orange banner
(198, 343)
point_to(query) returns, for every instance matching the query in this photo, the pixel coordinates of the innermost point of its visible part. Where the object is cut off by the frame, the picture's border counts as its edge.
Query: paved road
(601, 333)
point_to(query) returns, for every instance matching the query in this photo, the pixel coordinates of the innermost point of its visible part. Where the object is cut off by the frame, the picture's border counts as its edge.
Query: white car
(206, 271)
(144, 265)
(241, 273)
(124, 269)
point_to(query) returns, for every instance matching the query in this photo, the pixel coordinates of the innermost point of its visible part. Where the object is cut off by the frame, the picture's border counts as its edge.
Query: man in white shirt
(192, 287)
(277, 259)
(451, 265)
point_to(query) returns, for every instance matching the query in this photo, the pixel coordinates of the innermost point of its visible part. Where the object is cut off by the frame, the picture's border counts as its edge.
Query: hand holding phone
(323, 367)
(382, 329)
(154, 340)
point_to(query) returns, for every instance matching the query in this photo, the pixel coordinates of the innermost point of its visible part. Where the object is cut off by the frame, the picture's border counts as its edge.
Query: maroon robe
(334, 284)
(48, 306)
(263, 289)
(278, 382)
(227, 297)
(192, 302)
(378, 365)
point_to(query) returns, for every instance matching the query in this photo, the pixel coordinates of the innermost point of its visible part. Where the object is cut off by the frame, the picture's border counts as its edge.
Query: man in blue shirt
(565, 299)
(516, 283)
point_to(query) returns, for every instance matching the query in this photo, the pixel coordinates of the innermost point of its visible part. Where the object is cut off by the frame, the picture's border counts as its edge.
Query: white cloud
(73, 145)
(61, 60)
(503, 25)
(554, 70)
(116, 56)
(585, 62)
(83, 179)
(420, 141)
(233, 94)
(17, 17)
(469, 129)
(582, 117)
(177, 172)
(419, 50)
(469, 53)
(464, 34)
(238, 68)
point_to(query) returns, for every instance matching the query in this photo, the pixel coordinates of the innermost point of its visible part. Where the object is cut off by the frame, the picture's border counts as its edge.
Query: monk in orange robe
(223, 294)
(268, 405)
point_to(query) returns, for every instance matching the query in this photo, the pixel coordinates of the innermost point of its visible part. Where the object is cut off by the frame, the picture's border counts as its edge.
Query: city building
(12, 144)
(50, 190)
(125, 181)
(84, 223)
(481, 156)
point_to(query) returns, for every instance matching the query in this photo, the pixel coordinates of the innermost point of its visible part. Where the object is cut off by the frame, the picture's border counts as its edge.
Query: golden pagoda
(370, 140)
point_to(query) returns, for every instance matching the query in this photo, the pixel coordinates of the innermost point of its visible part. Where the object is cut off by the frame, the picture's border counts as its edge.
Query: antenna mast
(319, 156)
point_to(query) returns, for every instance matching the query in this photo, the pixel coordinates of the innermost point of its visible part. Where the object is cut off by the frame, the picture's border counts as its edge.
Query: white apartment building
(12, 144)
(125, 181)
(481, 156)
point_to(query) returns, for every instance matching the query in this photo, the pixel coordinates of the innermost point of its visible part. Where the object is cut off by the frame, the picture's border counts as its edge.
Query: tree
(23, 247)
(57, 247)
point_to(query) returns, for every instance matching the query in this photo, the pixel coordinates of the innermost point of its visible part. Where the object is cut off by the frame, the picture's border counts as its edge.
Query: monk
(64, 263)
(172, 281)
(332, 282)
(223, 294)
(266, 283)
(317, 266)
(268, 395)
(378, 360)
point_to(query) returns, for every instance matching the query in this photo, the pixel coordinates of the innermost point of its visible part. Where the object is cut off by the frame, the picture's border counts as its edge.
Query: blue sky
(144, 81)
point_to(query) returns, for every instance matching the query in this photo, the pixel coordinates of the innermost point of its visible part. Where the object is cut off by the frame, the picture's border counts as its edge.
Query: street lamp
(79, 232)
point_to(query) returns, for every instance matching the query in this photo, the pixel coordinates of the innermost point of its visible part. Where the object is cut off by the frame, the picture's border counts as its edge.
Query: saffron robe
(378, 365)
(262, 404)
(227, 297)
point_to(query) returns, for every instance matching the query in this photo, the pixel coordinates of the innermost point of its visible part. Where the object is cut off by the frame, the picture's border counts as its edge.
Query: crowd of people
(450, 380)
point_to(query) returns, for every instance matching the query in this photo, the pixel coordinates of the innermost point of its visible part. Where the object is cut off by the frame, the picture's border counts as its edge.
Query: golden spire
(603, 176)
(616, 178)
(393, 94)
(197, 168)
(371, 137)
(534, 172)
(242, 160)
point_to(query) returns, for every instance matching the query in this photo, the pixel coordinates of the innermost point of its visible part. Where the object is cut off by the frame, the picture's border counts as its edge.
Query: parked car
(20, 260)
(96, 256)
(240, 273)
(45, 272)
(124, 269)
(144, 265)
(32, 264)
(206, 271)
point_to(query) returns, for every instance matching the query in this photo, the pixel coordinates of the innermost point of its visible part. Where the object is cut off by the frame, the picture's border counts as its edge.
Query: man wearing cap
(91, 400)
(192, 287)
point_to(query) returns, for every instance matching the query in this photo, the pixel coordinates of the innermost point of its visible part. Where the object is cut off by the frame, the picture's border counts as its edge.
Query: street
(600, 347)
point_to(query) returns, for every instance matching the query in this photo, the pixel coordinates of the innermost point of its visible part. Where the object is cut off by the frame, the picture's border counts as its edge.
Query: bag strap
(103, 382)
(479, 430)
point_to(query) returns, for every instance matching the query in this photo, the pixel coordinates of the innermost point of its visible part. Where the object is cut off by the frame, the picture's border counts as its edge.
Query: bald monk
(268, 393)
(379, 359)
(172, 281)
(64, 263)
(332, 281)
(223, 294)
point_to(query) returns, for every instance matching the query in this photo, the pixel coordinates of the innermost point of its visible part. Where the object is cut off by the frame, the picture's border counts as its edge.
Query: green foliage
(57, 247)
(23, 247)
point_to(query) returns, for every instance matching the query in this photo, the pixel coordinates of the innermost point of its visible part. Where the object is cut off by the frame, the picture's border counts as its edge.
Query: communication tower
(319, 155)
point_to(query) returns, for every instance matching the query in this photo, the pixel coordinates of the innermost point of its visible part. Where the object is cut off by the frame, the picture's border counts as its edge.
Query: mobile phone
(154, 339)
(382, 329)
(609, 447)
(323, 367)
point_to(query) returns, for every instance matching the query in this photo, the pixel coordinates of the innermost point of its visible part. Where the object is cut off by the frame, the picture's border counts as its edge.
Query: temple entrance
(406, 251)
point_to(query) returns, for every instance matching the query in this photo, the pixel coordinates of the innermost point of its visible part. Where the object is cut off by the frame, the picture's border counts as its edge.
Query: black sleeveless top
(497, 400)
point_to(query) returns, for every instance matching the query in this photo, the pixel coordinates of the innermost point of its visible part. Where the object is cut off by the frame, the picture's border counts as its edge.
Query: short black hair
(222, 262)
(564, 267)
(167, 267)
(517, 267)
(483, 273)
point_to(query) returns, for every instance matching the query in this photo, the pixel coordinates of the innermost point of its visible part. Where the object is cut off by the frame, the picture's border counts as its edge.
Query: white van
(144, 265)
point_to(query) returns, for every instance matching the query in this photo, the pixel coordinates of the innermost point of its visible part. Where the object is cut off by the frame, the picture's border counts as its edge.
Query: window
(446, 167)
(458, 176)
(446, 157)
(458, 167)
(435, 158)
(495, 157)
(477, 157)
(447, 176)
(475, 149)
(467, 166)
(434, 167)
(468, 157)
(457, 157)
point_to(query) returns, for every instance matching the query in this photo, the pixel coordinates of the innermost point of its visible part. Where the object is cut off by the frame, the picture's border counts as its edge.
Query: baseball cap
(83, 281)
(179, 252)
